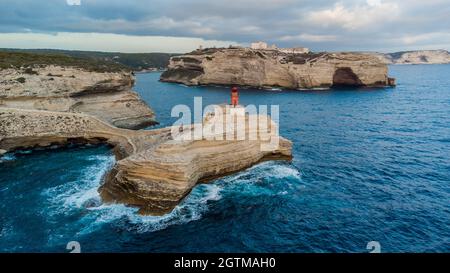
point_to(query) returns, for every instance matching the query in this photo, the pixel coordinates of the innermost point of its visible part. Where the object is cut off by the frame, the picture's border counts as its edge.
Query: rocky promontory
(415, 57)
(273, 68)
(51, 101)
(157, 168)
(63, 84)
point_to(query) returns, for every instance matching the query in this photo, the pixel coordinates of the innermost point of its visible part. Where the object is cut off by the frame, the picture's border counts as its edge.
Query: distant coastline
(158, 62)
(415, 57)
(275, 68)
(150, 70)
(134, 61)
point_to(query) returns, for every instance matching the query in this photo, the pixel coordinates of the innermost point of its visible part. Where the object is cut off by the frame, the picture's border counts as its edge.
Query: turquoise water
(369, 165)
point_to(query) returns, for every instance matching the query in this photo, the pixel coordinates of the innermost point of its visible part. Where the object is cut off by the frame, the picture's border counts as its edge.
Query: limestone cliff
(156, 169)
(415, 57)
(105, 95)
(271, 68)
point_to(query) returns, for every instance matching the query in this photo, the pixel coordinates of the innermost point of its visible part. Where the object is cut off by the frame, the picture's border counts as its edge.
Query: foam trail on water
(81, 196)
(191, 209)
(269, 178)
(7, 157)
(267, 170)
(74, 194)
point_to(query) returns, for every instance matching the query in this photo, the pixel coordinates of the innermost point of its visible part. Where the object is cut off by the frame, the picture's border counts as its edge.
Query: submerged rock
(272, 68)
(155, 169)
(105, 95)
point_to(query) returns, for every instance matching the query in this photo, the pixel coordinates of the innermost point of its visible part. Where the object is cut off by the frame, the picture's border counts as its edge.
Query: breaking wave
(81, 196)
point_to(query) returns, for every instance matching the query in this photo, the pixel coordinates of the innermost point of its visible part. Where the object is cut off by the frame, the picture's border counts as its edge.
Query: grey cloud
(320, 24)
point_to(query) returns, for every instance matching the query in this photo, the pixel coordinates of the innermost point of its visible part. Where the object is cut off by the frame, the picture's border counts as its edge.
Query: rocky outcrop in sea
(155, 169)
(46, 105)
(272, 68)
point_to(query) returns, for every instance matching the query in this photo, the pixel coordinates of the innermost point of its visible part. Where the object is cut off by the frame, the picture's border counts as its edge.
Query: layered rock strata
(415, 57)
(271, 68)
(155, 169)
(107, 95)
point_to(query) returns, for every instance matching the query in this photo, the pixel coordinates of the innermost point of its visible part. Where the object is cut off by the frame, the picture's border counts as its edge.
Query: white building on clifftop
(294, 50)
(259, 45)
(265, 46)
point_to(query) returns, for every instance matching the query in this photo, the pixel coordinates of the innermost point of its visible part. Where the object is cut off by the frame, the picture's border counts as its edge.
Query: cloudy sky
(183, 25)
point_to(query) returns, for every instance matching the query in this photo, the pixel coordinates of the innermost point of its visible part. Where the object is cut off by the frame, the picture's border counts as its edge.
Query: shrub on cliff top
(28, 60)
(21, 80)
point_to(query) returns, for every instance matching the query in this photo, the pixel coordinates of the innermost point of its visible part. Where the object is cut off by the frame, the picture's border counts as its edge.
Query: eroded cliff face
(107, 95)
(269, 68)
(415, 57)
(156, 170)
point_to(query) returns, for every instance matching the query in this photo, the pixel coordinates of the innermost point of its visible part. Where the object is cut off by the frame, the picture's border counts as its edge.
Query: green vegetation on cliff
(9, 59)
(135, 61)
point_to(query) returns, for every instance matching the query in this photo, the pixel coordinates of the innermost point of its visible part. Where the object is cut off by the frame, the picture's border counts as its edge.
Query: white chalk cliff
(106, 95)
(271, 68)
(415, 57)
(44, 106)
(156, 169)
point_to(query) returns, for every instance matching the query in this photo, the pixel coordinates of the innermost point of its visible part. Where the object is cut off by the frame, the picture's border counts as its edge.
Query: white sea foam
(6, 230)
(7, 157)
(269, 179)
(275, 89)
(283, 171)
(73, 196)
(270, 169)
(191, 209)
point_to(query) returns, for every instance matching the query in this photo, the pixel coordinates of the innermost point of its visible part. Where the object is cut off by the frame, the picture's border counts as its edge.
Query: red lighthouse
(234, 96)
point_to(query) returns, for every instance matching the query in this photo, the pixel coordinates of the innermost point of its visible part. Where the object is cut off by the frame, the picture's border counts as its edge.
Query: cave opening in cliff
(344, 77)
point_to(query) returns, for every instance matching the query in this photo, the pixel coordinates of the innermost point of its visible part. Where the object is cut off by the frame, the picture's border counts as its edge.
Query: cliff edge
(63, 84)
(55, 104)
(272, 68)
(157, 168)
(415, 57)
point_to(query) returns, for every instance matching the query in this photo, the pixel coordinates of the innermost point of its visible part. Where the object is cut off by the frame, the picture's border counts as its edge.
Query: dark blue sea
(369, 165)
